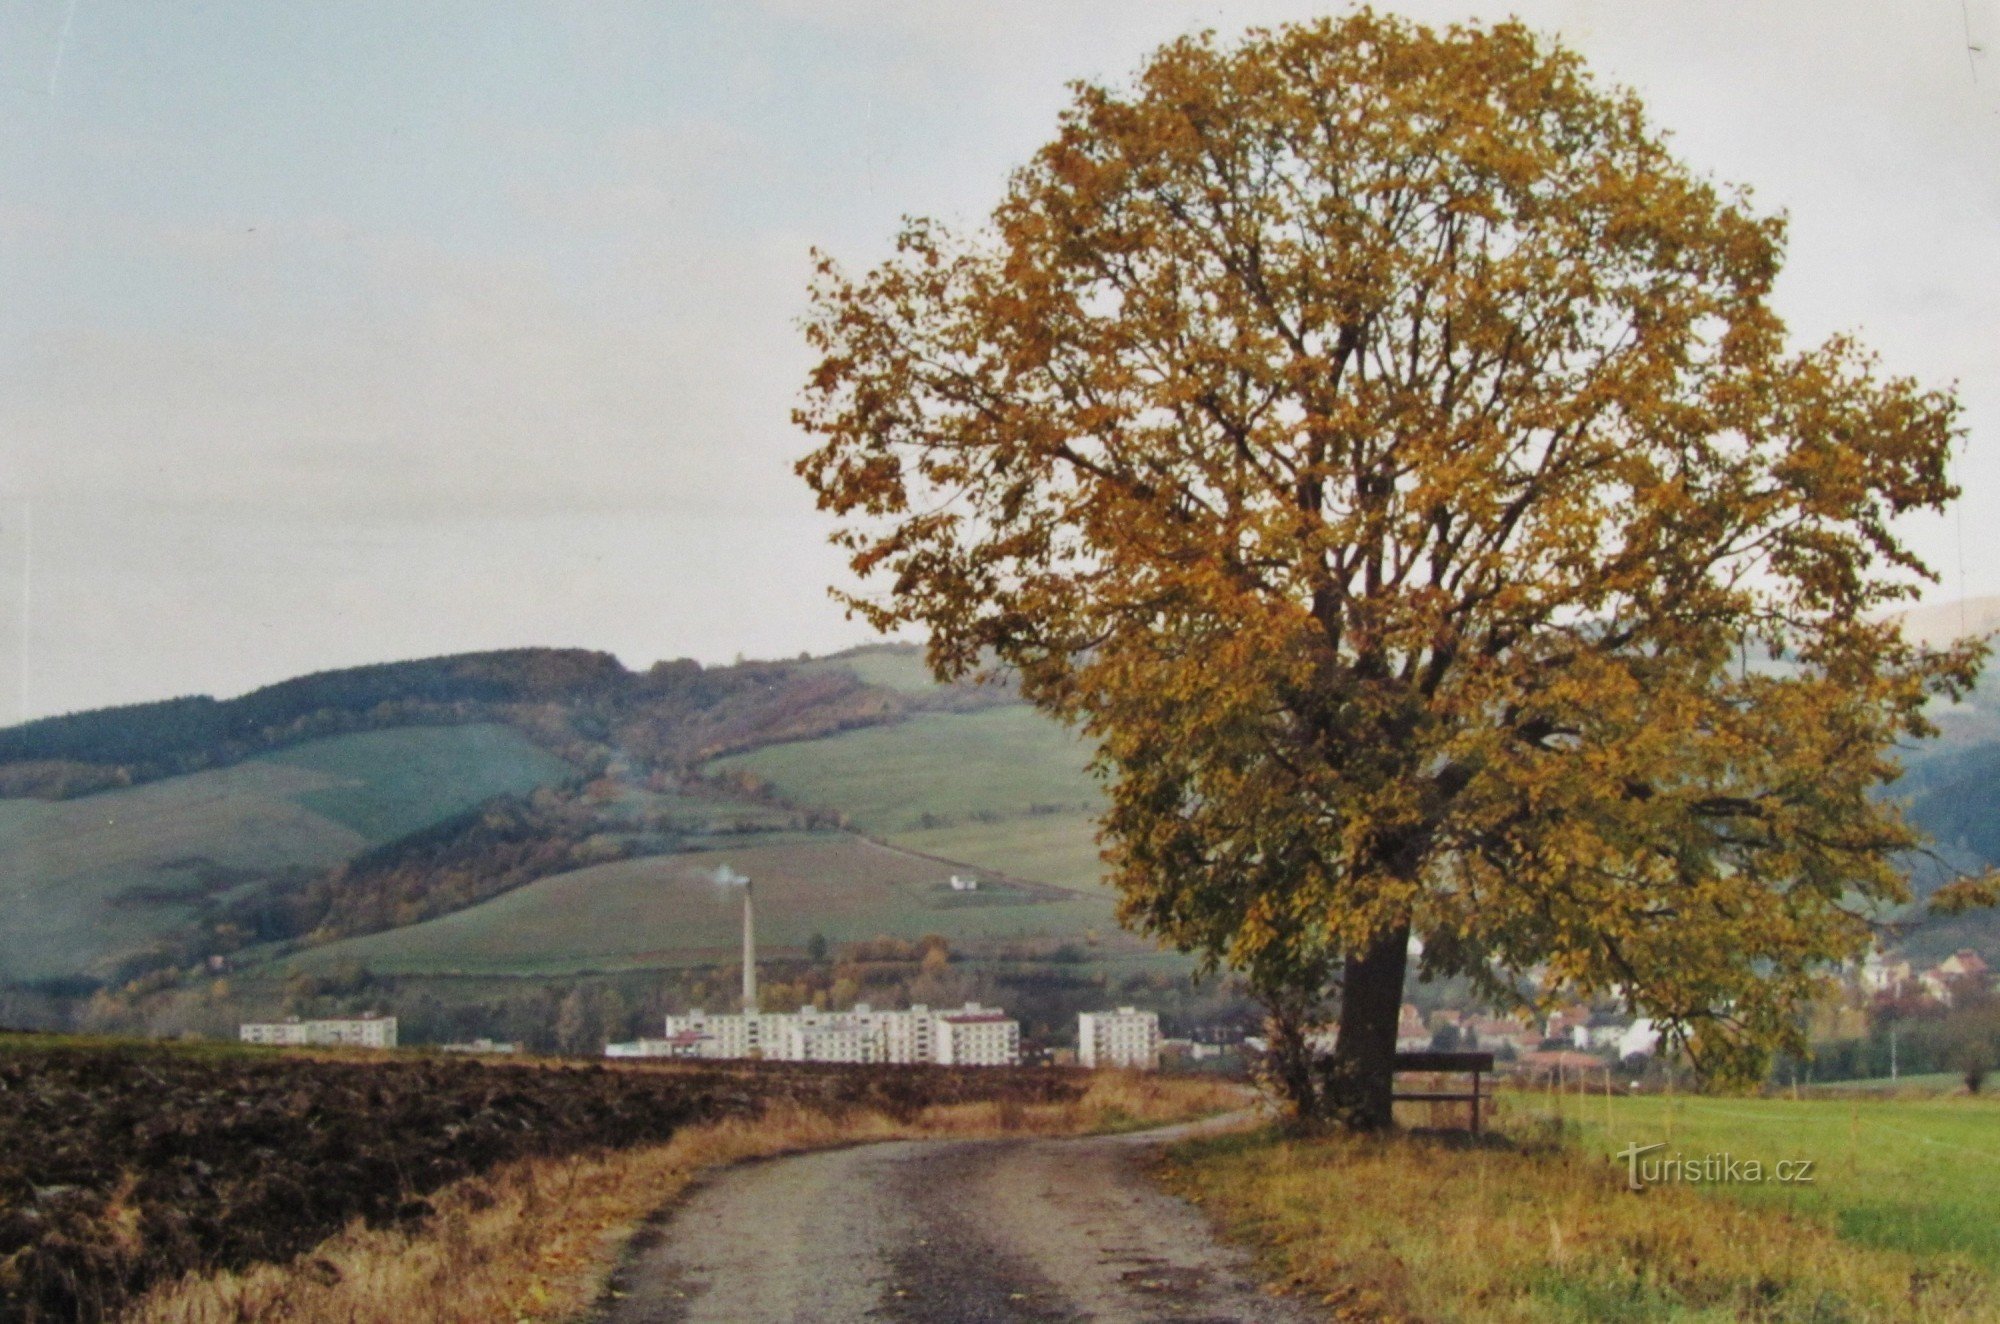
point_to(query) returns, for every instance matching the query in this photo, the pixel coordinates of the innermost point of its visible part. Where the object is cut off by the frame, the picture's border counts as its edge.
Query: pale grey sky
(339, 332)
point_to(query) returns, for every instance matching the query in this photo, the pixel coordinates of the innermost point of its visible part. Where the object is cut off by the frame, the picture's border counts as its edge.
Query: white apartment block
(970, 1036)
(976, 1037)
(907, 1036)
(1126, 1037)
(679, 1045)
(350, 1032)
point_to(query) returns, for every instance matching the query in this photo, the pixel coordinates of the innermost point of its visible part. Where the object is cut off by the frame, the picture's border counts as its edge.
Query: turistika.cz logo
(1707, 1169)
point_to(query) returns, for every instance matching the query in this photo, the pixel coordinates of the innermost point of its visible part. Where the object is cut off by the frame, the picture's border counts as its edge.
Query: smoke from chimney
(728, 877)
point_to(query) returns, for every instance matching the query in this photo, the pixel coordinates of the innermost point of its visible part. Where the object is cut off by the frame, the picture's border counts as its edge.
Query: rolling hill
(88, 881)
(851, 781)
(981, 785)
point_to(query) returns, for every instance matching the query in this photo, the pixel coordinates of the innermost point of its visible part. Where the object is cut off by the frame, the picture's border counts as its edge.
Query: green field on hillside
(1049, 848)
(900, 669)
(1909, 1174)
(86, 881)
(387, 784)
(1003, 788)
(666, 910)
(934, 770)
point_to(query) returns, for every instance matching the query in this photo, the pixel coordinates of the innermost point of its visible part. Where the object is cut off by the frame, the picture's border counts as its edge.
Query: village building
(1964, 971)
(368, 1031)
(1881, 975)
(1603, 1030)
(1411, 1034)
(1563, 1023)
(970, 1036)
(1641, 1039)
(976, 1037)
(1493, 1033)
(1126, 1037)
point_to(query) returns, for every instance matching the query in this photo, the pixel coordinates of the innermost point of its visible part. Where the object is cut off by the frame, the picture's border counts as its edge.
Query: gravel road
(976, 1231)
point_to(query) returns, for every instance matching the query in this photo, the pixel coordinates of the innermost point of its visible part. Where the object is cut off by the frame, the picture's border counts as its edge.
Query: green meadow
(386, 784)
(1004, 789)
(1896, 1224)
(1904, 1172)
(1049, 848)
(665, 910)
(934, 770)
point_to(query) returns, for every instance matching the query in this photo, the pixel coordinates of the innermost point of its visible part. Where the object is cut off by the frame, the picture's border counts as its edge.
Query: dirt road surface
(974, 1231)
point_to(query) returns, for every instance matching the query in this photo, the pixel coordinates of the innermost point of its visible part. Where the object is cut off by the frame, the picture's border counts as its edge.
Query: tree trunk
(1289, 1065)
(1360, 1075)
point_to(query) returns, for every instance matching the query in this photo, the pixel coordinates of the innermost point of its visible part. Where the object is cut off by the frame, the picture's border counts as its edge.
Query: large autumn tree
(1386, 451)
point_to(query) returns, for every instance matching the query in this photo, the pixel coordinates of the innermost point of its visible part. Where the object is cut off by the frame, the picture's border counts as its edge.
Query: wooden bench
(1477, 1064)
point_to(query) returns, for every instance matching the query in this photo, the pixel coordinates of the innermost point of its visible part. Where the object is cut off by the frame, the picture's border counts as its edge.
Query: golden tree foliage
(1386, 450)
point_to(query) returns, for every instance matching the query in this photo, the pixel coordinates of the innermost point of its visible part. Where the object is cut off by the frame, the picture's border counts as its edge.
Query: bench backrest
(1444, 1061)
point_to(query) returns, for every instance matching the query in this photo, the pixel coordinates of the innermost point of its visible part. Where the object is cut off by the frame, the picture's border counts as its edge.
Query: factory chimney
(749, 953)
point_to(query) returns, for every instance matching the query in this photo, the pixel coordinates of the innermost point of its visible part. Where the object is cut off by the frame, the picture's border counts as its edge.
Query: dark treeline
(1914, 1040)
(1954, 798)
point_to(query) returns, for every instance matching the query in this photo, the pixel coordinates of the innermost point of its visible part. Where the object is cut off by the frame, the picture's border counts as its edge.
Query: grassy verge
(538, 1238)
(1540, 1228)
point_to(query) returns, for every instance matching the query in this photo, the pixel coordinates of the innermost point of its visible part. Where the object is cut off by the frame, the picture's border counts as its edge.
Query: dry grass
(537, 1239)
(1417, 1229)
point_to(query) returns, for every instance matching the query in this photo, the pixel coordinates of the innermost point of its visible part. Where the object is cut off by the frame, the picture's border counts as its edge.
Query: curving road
(974, 1231)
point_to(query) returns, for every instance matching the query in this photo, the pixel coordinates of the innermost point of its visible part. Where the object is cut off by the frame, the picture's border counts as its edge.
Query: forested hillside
(142, 840)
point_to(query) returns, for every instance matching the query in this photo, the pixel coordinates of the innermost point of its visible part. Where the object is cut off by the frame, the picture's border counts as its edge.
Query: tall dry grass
(1415, 1228)
(538, 1239)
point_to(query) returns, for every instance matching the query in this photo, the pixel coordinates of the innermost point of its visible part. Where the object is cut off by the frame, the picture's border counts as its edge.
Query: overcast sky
(335, 332)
